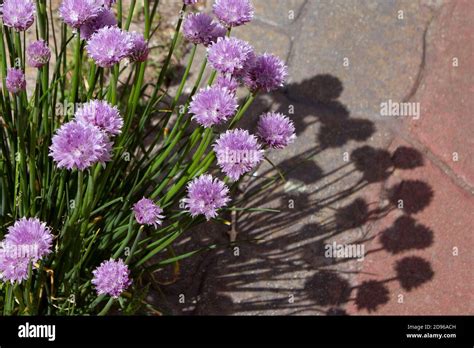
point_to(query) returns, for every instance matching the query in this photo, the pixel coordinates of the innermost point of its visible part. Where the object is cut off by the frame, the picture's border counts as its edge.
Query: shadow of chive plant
(78, 235)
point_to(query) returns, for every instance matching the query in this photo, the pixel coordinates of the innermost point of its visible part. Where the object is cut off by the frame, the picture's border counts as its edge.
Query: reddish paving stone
(445, 94)
(435, 281)
(421, 238)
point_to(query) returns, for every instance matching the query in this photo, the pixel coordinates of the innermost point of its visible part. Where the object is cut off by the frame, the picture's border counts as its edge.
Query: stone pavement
(401, 187)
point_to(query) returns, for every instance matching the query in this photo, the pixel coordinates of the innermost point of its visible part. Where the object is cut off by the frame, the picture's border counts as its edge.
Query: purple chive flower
(79, 145)
(139, 51)
(13, 268)
(100, 114)
(213, 105)
(228, 82)
(147, 212)
(199, 28)
(267, 72)
(276, 130)
(29, 238)
(76, 12)
(18, 14)
(205, 196)
(38, 54)
(190, 2)
(15, 80)
(108, 46)
(105, 18)
(111, 278)
(229, 55)
(233, 13)
(238, 152)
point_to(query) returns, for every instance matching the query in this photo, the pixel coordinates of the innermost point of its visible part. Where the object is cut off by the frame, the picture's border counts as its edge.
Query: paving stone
(278, 12)
(275, 41)
(432, 279)
(384, 53)
(431, 238)
(444, 93)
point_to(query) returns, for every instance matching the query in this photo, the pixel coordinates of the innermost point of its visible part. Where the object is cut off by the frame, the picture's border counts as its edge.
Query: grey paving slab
(365, 45)
(282, 13)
